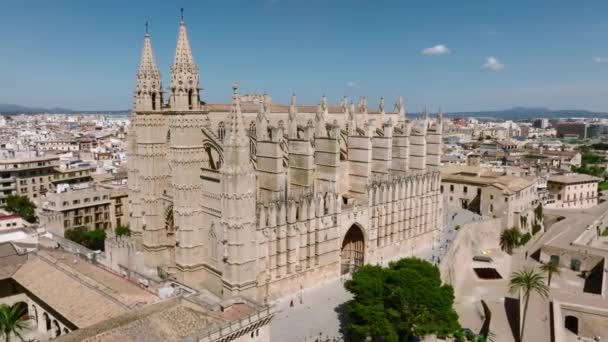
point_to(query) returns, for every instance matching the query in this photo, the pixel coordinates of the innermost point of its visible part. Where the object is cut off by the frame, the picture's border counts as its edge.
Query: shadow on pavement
(342, 317)
(512, 311)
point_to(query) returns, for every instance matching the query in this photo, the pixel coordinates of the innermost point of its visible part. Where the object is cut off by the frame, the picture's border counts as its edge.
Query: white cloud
(493, 64)
(600, 59)
(436, 50)
(351, 84)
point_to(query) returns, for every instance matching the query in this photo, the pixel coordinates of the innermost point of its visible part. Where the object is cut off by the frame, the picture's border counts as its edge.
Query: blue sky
(482, 55)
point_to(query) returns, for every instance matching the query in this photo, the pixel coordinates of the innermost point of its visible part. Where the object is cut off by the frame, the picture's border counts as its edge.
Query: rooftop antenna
(182, 13)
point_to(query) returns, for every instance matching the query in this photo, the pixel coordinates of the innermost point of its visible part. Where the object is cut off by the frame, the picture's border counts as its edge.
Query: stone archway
(353, 250)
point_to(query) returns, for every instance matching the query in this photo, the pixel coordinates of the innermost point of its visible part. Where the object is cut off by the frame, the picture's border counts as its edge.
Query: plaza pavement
(317, 315)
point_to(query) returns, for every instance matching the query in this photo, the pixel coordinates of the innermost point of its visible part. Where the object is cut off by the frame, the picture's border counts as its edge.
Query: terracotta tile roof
(9, 216)
(10, 260)
(572, 178)
(170, 320)
(111, 284)
(77, 302)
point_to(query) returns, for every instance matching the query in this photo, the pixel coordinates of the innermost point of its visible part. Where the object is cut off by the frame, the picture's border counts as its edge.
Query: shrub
(524, 239)
(457, 227)
(122, 231)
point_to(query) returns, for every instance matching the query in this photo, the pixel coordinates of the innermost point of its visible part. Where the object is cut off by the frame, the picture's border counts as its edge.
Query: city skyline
(460, 57)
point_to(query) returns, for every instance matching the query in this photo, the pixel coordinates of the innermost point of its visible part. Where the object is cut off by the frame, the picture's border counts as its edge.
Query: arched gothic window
(213, 243)
(221, 131)
(252, 129)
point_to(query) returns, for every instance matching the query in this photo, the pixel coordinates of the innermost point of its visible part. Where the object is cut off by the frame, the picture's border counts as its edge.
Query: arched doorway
(22, 308)
(571, 324)
(353, 250)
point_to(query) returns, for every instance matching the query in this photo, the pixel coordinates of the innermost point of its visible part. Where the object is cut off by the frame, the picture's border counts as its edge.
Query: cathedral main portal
(353, 250)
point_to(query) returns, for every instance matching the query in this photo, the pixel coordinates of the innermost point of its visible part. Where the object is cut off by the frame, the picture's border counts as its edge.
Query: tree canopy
(405, 299)
(22, 206)
(92, 239)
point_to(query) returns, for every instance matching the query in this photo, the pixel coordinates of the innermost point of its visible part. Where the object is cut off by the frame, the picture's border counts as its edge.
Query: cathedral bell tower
(148, 90)
(185, 90)
(238, 200)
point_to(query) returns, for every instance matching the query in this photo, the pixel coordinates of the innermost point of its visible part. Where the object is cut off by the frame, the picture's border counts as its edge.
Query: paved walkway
(319, 313)
(316, 316)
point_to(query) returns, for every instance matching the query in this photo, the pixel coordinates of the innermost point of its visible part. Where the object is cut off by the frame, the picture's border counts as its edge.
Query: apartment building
(76, 208)
(119, 201)
(572, 191)
(72, 175)
(31, 177)
(492, 194)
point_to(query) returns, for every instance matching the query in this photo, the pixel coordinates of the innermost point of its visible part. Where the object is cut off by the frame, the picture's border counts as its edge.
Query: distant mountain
(515, 113)
(12, 109)
(523, 113)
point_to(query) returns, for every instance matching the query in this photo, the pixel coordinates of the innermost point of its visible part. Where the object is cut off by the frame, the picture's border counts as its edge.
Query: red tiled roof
(8, 216)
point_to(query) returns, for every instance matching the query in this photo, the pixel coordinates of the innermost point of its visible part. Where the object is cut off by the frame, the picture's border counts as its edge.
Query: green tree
(550, 268)
(405, 299)
(22, 206)
(122, 230)
(509, 239)
(93, 239)
(13, 320)
(529, 281)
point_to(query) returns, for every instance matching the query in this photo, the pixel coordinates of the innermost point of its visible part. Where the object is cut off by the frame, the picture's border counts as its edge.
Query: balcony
(7, 180)
(8, 186)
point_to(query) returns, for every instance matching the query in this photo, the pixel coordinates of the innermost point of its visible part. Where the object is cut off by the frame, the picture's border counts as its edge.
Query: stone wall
(471, 239)
(592, 322)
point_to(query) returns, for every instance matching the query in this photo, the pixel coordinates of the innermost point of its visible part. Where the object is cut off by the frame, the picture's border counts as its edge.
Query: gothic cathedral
(260, 199)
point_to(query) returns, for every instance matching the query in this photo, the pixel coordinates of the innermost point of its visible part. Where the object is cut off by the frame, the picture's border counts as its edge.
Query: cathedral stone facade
(259, 199)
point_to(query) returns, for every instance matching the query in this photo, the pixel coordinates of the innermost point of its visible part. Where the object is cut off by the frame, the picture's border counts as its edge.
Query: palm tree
(509, 239)
(12, 320)
(528, 281)
(550, 268)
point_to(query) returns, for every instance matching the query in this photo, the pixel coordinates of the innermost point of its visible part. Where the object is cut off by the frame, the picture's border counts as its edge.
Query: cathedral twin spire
(148, 90)
(184, 87)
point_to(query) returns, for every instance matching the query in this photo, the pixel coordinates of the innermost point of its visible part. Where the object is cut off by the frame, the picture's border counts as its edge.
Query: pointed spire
(400, 107)
(320, 129)
(147, 64)
(237, 136)
(292, 123)
(184, 74)
(293, 110)
(344, 104)
(148, 88)
(324, 103)
(183, 52)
